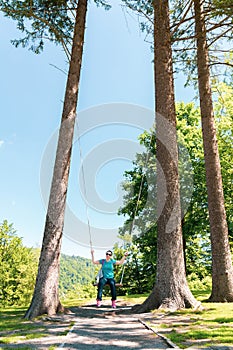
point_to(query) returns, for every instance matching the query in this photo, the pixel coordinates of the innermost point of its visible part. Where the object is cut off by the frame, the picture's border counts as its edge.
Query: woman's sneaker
(114, 304)
(98, 303)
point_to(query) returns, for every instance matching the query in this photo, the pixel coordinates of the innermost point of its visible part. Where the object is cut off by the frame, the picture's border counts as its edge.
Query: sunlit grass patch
(201, 295)
(176, 338)
(217, 334)
(213, 325)
(16, 338)
(21, 348)
(134, 298)
(12, 324)
(14, 328)
(223, 320)
(73, 302)
(211, 336)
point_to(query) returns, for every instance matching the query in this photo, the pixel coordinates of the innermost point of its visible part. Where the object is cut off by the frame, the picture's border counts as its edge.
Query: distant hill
(75, 270)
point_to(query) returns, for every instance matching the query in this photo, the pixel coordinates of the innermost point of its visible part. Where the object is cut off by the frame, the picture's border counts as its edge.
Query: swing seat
(116, 284)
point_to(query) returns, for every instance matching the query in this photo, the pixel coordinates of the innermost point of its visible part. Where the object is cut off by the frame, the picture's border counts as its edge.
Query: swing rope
(85, 195)
(122, 275)
(140, 190)
(87, 212)
(85, 188)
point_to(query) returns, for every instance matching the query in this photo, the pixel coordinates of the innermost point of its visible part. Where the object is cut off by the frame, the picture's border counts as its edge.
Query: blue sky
(117, 68)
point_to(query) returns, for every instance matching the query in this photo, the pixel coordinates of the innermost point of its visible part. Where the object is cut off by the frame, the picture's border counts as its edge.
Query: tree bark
(171, 289)
(222, 271)
(46, 296)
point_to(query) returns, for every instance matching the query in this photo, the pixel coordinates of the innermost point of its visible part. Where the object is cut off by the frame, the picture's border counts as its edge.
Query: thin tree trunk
(171, 289)
(222, 271)
(46, 297)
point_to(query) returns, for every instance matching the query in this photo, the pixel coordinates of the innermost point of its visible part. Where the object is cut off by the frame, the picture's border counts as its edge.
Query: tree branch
(219, 24)
(219, 36)
(183, 19)
(30, 14)
(221, 63)
(139, 10)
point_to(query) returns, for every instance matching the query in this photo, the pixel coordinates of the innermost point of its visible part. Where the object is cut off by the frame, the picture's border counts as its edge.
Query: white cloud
(1, 142)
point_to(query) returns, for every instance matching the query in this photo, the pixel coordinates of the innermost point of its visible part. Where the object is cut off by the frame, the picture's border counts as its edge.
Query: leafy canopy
(18, 267)
(195, 222)
(42, 20)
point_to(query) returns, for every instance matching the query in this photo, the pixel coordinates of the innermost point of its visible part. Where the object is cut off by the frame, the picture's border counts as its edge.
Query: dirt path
(101, 329)
(95, 329)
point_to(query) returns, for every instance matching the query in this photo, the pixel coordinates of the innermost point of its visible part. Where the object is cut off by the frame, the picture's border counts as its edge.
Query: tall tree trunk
(171, 289)
(46, 296)
(222, 271)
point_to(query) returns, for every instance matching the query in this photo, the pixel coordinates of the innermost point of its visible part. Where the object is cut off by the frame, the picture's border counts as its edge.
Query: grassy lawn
(134, 299)
(14, 328)
(212, 326)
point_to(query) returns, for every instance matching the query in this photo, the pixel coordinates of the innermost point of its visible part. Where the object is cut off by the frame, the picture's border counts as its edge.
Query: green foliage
(103, 3)
(193, 199)
(219, 28)
(43, 20)
(139, 269)
(80, 292)
(76, 273)
(39, 20)
(195, 222)
(197, 285)
(224, 125)
(223, 7)
(18, 267)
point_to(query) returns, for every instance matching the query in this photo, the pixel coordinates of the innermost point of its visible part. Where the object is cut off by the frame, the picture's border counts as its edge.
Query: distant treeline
(75, 270)
(18, 270)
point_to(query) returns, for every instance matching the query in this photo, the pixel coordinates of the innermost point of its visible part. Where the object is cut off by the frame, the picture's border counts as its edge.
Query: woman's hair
(109, 251)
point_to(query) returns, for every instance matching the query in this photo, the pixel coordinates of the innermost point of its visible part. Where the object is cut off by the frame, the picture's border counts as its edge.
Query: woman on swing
(108, 275)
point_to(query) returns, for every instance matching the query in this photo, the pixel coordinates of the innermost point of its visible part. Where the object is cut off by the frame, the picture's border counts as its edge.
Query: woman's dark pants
(101, 285)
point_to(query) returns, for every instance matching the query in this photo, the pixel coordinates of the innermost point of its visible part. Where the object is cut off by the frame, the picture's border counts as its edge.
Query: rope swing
(120, 284)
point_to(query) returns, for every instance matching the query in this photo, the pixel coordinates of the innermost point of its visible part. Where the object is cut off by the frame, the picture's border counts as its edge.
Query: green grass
(134, 298)
(14, 328)
(21, 348)
(52, 347)
(73, 302)
(212, 326)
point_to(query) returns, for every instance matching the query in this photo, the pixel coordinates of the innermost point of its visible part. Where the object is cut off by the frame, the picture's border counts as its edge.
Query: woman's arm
(120, 262)
(93, 259)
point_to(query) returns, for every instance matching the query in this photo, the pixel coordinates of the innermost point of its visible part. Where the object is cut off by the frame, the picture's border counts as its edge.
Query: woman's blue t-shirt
(107, 267)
